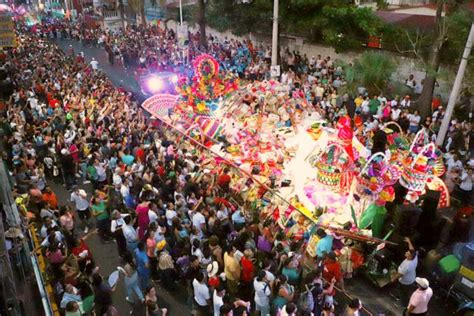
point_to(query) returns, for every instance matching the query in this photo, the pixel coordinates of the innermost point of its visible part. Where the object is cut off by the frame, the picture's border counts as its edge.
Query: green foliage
(225, 15)
(458, 24)
(333, 22)
(373, 70)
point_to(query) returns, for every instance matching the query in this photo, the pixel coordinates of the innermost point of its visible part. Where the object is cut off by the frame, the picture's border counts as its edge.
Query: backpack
(306, 300)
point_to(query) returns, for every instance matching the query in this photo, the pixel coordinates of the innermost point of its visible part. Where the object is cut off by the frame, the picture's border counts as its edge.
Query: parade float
(290, 164)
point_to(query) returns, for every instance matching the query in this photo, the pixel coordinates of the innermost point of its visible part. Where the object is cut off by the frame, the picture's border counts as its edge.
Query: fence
(20, 259)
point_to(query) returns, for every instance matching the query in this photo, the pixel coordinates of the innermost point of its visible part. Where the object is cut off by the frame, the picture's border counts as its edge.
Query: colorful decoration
(207, 87)
(436, 184)
(376, 174)
(345, 134)
(418, 167)
(160, 104)
(331, 166)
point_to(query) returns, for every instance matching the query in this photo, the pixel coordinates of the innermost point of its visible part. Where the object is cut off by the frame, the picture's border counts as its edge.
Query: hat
(161, 245)
(212, 269)
(423, 283)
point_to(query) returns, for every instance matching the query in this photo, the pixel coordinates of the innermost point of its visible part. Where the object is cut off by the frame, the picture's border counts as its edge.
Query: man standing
(143, 266)
(419, 300)
(79, 197)
(201, 294)
(262, 294)
(232, 270)
(406, 273)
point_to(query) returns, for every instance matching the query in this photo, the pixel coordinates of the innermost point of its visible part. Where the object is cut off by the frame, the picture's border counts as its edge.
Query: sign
(182, 34)
(7, 31)
(275, 71)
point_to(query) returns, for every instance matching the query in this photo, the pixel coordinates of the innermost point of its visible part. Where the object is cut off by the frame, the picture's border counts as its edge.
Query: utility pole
(275, 34)
(181, 12)
(456, 88)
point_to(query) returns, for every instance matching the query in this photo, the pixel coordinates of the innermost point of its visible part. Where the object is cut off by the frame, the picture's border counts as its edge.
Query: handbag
(263, 244)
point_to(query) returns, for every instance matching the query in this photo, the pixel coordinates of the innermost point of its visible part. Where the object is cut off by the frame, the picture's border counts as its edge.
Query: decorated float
(291, 165)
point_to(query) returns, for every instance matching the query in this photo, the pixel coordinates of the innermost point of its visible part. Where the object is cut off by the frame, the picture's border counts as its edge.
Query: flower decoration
(206, 87)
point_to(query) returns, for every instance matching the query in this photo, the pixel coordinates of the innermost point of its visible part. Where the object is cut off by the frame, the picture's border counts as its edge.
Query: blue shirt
(324, 246)
(142, 261)
(238, 218)
(128, 159)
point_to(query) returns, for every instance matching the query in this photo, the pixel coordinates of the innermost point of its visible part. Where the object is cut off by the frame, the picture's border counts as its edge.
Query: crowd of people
(173, 221)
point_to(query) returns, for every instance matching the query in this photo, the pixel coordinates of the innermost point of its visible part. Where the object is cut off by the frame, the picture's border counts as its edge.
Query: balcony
(109, 15)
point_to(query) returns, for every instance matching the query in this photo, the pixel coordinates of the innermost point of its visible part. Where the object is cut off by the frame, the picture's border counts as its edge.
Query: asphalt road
(376, 301)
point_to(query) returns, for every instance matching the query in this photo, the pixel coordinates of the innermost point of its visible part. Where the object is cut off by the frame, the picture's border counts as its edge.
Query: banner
(7, 31)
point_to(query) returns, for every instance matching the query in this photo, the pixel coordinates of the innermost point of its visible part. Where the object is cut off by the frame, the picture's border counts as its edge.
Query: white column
(456, 88)
(275, 34)
(181, 12)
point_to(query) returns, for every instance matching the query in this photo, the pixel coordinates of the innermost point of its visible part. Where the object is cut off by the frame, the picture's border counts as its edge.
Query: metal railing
(10, 295)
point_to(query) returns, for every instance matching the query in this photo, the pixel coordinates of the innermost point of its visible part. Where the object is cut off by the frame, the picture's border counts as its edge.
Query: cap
(423, 283)
(212, 268)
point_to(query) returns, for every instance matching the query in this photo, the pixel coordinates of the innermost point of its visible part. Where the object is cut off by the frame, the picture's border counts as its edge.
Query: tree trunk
(432, 66)
(202, 23)
(122, 14)
(142, 12)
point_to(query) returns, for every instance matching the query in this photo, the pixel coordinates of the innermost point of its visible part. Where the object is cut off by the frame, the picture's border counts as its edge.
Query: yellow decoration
(201, 107)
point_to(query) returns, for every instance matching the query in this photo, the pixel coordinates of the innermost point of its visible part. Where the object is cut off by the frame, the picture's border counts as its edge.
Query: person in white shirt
(130, 234)
(406, 102)
(117, 177)
(419, 300)
(465, 186)
(262, 293)
(201, 294)
(218, 299)
(454, 162)
(395, 115)
(414, 120)
(94, 64)
(199, 222)
(406, 273)
(79, 197)
(170, 214)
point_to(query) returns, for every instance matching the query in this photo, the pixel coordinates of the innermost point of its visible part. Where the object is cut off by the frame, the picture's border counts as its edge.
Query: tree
(201, 18)
(122, 15)
(433, 61)
(138, 7)
(334, 22)
(372, 70)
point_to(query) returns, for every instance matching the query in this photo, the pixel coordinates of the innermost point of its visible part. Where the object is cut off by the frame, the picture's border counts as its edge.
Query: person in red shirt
(246, 275)
(140, 153)
(50, 197)
(436, 103)
(224, 180)
(332, 269)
